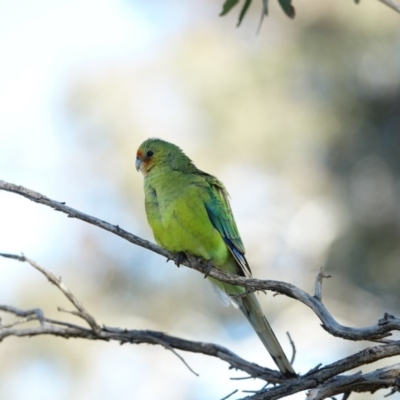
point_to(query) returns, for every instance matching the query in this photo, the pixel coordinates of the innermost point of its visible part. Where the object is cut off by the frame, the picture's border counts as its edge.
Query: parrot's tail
(251, 308)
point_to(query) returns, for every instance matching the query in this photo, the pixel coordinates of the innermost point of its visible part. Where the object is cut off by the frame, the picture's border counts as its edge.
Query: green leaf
(265, 8)
(243, 12)
(288, 8)
(264, 12)
(228, 5)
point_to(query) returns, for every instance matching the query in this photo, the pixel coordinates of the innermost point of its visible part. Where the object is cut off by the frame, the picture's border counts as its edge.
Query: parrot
(189, 212)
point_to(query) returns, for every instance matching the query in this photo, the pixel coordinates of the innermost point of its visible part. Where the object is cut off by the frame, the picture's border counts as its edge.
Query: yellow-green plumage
(188, 211)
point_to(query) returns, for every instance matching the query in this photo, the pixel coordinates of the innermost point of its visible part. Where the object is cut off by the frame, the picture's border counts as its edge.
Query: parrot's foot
(180, 258)
(207, 269)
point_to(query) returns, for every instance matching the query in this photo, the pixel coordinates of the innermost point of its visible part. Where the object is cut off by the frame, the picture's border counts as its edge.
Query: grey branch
(379, 331)
(320, 382)
(81, 312)
(318, 284)
(386, 377)
(96, 332)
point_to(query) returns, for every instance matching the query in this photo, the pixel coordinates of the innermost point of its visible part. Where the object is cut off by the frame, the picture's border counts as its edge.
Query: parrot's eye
(149, 153)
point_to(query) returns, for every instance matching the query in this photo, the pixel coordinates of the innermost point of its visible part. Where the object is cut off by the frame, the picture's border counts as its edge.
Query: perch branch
(321, 382)
(378, 331)
(68, 330)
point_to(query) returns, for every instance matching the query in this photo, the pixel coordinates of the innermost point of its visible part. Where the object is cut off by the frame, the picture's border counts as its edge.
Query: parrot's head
(156, 154)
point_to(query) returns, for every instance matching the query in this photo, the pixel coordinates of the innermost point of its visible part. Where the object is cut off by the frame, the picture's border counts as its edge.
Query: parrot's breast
(176, 212)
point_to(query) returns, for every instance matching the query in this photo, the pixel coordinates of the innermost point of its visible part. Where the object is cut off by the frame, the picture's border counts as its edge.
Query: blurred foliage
(286, 6)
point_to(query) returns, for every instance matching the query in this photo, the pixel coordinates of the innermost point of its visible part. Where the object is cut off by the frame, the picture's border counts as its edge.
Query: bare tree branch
(381, 330)
(321, 382)
(318, 284)
(380, 379)
(326, 380)
(68, 330)
(59, 283)
(329, 375)
(229, 395)
(72, 213)
(96, 332)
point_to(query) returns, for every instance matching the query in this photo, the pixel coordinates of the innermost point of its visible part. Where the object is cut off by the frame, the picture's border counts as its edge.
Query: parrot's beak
(138, 163)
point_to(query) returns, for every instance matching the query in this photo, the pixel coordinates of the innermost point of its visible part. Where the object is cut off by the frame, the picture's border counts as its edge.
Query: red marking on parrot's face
(144, 161)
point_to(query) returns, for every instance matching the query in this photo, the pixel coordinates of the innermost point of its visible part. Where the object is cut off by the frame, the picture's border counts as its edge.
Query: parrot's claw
(207, 269)
(180, 258)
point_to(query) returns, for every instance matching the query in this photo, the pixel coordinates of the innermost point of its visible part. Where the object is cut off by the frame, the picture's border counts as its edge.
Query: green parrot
(189, 212)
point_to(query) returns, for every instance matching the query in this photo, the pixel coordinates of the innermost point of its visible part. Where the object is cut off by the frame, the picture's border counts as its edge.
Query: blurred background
(301, 123)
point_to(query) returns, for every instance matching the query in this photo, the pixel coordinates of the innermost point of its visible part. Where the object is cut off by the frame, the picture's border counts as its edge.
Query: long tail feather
(251, 308)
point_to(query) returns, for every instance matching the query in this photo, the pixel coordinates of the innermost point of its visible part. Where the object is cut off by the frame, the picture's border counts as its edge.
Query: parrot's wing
(221, 216)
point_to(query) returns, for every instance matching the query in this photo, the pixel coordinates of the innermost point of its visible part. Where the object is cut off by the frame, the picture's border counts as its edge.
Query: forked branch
(320, 382)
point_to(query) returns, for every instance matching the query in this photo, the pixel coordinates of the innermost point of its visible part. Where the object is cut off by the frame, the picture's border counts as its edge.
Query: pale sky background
(82, 84)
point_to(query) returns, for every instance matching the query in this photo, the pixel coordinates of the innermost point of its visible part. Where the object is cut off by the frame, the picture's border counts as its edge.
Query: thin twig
(22, 313)
(60, 284)
(293, 348)
(241, 378)
(318, 283)
(168, 347)
(229, 395)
